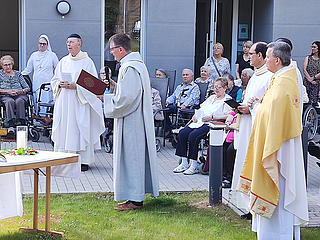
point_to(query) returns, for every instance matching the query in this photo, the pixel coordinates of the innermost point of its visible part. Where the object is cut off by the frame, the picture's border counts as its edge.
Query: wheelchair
(41, 120)
(33, 134)
(310, 119)
(107, 136)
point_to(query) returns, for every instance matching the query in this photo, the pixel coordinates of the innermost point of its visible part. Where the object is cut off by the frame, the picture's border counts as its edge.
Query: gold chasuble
(278, 120)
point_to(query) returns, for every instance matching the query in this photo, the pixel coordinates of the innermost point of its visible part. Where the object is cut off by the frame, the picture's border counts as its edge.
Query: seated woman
(213, 109)
(205, 78)
(13, 90)
(160, 73)
(229, 152)
(156, 104)
(234, 91)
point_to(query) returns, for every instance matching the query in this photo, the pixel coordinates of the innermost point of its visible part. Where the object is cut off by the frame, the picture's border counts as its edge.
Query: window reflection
(122, 16)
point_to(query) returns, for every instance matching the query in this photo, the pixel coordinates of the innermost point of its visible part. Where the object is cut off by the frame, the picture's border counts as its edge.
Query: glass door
(121, 16)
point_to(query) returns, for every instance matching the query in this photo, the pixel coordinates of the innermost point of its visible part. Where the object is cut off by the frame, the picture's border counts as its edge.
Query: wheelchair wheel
(201, 169)
(158, 144)
(310, 120)
(108, 144)
(34, 135)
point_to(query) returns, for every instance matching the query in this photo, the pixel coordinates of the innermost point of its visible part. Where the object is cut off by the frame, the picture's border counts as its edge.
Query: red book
(91, 83)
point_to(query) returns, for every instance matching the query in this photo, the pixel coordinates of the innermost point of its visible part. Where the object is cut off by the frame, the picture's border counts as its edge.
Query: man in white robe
(273, 173)
(134, 156)
(256, 88)
(78, 118)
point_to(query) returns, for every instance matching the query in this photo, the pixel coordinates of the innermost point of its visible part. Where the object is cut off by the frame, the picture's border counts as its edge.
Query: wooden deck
(99, 178)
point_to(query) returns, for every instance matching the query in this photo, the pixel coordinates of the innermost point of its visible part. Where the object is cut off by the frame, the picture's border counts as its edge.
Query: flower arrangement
(20, 151)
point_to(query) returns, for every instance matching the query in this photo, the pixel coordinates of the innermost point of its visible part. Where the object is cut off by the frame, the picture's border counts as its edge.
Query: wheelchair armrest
(160, 110)
(187, 110)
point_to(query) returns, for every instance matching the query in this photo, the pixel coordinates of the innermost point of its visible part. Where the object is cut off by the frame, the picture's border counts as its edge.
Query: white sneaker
(181, 168)
(191, 170)
(11, 130)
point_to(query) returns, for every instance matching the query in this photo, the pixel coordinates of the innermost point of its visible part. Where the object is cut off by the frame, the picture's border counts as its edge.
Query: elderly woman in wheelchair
(213, 109)
(13, 90)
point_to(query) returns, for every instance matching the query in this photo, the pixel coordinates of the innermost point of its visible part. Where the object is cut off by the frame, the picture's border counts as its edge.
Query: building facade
(170, 34)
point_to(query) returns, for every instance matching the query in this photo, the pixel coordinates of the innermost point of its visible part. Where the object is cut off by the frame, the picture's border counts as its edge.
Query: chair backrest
(203, 91)
(171, 74)
(161, 84)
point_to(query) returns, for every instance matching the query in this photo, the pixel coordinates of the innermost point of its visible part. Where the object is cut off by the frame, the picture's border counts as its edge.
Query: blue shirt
(185, 94)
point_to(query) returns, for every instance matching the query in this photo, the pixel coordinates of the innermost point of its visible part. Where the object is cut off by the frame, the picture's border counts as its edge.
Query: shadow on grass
(28, 236)
(160, 202)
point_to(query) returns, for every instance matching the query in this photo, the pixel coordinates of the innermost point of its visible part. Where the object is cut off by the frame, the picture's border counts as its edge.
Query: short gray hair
(204, 68)
(188, 69)
(281, 50)
(248, 71)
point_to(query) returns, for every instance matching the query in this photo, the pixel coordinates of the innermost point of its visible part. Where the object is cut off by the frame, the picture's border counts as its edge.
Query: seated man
(186, 95)
(13, 89)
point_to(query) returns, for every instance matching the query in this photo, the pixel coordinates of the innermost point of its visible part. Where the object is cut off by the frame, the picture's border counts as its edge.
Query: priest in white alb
(257, 86)
(78, 118)
(273, 173)
(134, 155)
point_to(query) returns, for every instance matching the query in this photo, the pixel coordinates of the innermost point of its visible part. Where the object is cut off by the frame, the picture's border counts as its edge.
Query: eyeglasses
(42, 44)
(7, 65)
(113, 48)
(217, 87)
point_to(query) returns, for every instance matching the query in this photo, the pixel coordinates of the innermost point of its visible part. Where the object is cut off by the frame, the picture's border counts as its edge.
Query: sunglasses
(42, 44)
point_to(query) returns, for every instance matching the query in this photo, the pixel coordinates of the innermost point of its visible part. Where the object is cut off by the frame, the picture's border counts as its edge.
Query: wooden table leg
(35, 198)
(48, 178)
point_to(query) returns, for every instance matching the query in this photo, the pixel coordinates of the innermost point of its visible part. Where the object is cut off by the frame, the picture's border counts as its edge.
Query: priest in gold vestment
(273, 172)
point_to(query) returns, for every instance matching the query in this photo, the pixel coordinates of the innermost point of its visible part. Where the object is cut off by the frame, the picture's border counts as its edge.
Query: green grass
(171, 216)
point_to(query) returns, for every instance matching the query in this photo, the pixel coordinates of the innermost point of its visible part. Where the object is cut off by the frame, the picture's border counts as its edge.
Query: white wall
(170, 35)
(300, 22)
(85, 19)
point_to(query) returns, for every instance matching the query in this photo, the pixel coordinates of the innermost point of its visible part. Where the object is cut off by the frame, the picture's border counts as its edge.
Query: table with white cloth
(43, 159)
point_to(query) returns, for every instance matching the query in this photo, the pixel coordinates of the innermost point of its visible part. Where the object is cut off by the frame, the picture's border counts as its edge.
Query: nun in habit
(42, 64)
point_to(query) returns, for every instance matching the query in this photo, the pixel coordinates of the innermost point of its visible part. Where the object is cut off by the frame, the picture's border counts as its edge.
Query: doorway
(223, 32)
(203, 19)
(9, 41)
(224, 9)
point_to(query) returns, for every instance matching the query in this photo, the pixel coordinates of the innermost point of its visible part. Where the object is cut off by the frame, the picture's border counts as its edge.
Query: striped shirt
(187, 95)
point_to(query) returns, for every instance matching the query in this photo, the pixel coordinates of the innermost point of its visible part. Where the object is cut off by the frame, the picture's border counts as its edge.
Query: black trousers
(172, 109)
(188, 141)
(229, 155)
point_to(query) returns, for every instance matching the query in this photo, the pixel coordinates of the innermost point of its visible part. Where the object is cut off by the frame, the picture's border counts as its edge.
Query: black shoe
(11, 131)
(247, 216)
(168, 134)
(314, 149)
(84, 167)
